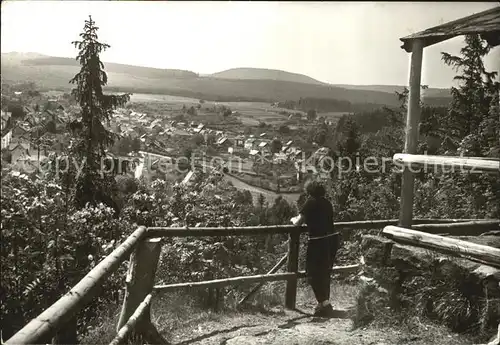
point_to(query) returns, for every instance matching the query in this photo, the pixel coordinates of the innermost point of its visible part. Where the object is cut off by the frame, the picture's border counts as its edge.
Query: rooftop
(486, 23)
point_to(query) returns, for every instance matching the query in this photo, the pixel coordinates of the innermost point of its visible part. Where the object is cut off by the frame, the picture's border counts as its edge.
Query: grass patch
(185, 308)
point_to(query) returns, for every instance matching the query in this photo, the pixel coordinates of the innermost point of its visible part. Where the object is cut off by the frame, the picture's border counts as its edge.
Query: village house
(320, 154)
(263, 146)
(6, 139)
(295, 155)
(255, 154)
(30, 162)
(224, 142)
(155, 129)
(28, 110)
(19, 150)
(58, 117)
(6, 119)
(33, 119)
(199, 128)
(279, 157)
(249, 143)
(164, 134)
(239, 140)
(20, 133)
(303, 169)
(287, 145)
(292, 150)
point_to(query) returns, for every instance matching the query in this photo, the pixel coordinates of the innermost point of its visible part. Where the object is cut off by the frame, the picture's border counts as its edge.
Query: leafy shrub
(50, 247)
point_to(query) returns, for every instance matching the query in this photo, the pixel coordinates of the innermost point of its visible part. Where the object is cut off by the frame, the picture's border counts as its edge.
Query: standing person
(322, 245)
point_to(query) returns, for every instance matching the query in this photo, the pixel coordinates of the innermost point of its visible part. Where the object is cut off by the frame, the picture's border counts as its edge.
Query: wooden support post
(292, 267)
(140, 282)
(255, 289)
(412, 128)
(133, 320)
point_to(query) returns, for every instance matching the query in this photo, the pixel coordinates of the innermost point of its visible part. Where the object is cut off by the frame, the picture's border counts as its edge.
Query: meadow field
(250, 113)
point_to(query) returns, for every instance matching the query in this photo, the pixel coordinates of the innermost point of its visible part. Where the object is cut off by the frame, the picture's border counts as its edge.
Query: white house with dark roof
(6, 118)
(263, 145)
(200, 128)
(6, 139)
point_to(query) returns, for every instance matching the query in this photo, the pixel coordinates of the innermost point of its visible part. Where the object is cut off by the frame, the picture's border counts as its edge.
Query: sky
(335, 42)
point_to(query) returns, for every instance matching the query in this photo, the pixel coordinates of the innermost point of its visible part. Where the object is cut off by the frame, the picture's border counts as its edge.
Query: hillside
(27, 60)
(55, 73)
(430, 92)
(265, 74)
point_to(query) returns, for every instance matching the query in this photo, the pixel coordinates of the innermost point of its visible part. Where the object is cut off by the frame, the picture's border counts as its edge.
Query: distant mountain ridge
(248, 73)
(238, 84)
(265, 74)
(430, 92)
(35, 59)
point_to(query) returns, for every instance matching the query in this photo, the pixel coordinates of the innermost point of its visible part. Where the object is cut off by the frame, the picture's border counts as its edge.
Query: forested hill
(55, 72)
(335, 105)
(265, 74)
(28, 60)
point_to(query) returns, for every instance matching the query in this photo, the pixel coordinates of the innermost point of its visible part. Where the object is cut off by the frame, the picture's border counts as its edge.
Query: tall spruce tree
(91, 138)
(470, 117)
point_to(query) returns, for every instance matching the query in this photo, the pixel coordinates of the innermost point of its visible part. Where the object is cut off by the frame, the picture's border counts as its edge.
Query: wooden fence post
(292, 267)
(139, 283)
(412, 129)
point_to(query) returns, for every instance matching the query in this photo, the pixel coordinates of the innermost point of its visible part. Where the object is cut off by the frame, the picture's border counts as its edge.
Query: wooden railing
(144, 246)
(472, 251)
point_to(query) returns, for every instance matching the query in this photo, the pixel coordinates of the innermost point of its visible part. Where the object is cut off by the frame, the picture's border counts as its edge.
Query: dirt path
(295, 328)
(285, 327)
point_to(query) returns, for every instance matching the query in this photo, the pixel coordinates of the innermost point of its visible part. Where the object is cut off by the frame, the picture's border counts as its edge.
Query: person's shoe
(324, 311)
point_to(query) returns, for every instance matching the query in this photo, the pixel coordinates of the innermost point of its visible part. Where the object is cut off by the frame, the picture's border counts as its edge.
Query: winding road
(238, 184)
(270, 196)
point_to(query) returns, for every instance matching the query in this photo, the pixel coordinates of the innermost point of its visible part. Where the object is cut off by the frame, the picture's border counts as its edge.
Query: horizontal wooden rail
(52, 319)
(469, 250)
(472, 228)
(465, 163)
(277, 229)
(337, 269)
(247, 279)
(132, 321)
(47, 323)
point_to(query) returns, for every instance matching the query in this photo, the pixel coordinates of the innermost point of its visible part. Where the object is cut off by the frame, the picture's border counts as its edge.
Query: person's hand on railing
(297, 220)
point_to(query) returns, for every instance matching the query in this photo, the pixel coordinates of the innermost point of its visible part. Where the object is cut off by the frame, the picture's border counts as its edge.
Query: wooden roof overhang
(486, 24)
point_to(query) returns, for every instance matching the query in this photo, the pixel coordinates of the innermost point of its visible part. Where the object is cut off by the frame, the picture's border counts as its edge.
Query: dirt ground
(286, 327)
